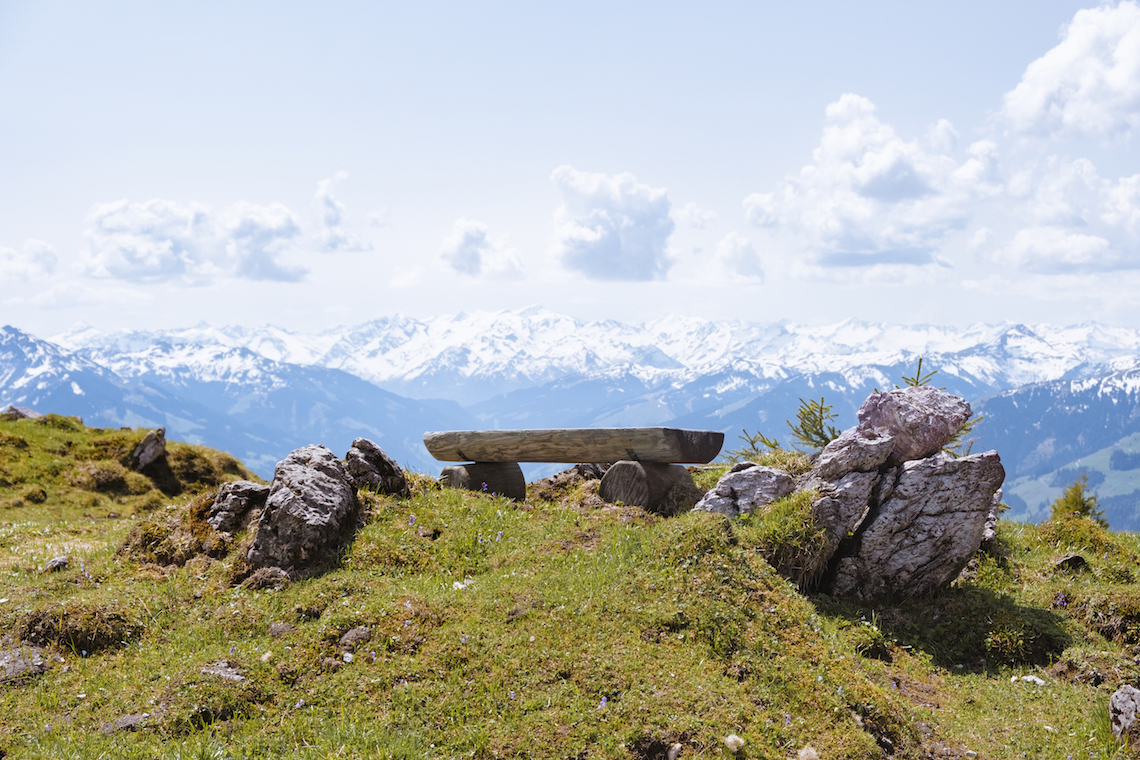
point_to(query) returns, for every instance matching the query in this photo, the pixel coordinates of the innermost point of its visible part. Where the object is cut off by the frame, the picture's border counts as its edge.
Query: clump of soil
(176, 536)
(219, 692)
(559, 487)
(78, 626)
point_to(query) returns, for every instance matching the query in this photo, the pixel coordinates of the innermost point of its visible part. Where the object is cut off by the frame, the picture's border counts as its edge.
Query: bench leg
(503, 478)
(662, 488)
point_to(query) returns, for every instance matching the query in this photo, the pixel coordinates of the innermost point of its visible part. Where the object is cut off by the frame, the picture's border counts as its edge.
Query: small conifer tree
(813, 430)
(1078, 501)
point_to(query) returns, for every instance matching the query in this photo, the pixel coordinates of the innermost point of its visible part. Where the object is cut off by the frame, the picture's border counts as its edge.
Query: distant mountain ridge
(397, 376)
(471, 358)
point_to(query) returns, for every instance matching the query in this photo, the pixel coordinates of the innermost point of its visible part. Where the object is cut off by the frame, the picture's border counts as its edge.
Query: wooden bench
(646, 461)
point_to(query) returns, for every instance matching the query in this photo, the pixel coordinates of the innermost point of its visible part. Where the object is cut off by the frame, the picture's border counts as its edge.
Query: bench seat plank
(648, 444)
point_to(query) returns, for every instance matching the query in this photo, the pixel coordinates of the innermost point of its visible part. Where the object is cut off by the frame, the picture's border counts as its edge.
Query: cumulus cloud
(611, 227)
(471, 250)
(871, 198)
(255, 236)
(332, 234)
(739, 257)
(1048, 250)
(37, 259)
(1069, 219)
(1089, 84)
(693, 216)
(165, 241)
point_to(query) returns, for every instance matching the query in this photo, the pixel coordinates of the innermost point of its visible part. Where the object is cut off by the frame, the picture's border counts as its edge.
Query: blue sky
(315, 164)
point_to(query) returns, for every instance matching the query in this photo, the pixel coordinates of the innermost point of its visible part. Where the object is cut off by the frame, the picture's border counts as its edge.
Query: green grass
(534, 629)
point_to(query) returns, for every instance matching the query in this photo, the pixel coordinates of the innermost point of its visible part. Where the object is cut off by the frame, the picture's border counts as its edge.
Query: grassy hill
(556, 627)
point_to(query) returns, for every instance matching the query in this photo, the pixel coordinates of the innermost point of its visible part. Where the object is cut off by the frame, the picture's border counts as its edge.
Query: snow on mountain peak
(470, 355)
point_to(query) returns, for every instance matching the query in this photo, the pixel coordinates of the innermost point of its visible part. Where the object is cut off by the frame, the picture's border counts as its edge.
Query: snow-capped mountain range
(471, 358)
(259, 391)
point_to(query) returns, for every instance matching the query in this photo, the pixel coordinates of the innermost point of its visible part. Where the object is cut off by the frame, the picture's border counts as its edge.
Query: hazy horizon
(311, 167)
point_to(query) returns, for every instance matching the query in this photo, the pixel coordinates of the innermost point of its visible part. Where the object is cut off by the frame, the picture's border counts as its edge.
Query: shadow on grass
(959, 628)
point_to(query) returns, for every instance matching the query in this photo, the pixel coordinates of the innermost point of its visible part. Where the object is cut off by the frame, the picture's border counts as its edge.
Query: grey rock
(742, 491)
(358, 635)
(226, 669)
(132, 722)
(1071, 563)
(21, 662)
(370, 467)
(234, 501)
(1122, 707)
(56, 564)
(277, 630)
(19, 413)
(855, 450)
(921, 420)
(311, 509)
(843, 504)
(151, 449)
(989, 535)
(924, 532)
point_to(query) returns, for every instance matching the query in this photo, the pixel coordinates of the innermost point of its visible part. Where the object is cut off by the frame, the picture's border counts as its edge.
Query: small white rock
(971, 753)
(674, 752)
(807, 753)
(348, 656)
(734, 743)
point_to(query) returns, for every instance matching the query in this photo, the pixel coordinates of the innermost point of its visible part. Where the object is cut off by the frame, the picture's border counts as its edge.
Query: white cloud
(471, 250)
(1047, 250)
(1069, 219)
(739, 257)
(871, 198)
(165, 241)
(37, 259)
(611, 227)
(1057, 192)
(255, 236)
(693, 216)
(1089, 84)
(152, 241)
(332, 234)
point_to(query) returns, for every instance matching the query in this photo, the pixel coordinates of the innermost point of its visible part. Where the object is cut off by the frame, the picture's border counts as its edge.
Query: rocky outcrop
(234, 502)
(310, 511)
(924, 531)
(371, 468)
(744, 488)
(151, 449)
(920, 421)
(898, 517)
(19, 413)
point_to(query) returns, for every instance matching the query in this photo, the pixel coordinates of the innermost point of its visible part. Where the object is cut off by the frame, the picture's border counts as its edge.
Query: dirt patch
(583, 540)
(1094, 668)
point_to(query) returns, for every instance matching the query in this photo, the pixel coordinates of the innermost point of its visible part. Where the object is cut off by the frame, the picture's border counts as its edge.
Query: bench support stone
(644, 484)
(503, 478)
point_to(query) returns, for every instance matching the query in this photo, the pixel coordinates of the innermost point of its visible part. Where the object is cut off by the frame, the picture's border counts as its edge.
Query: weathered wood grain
(649, 444)
(648, 485)
(502, 478)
